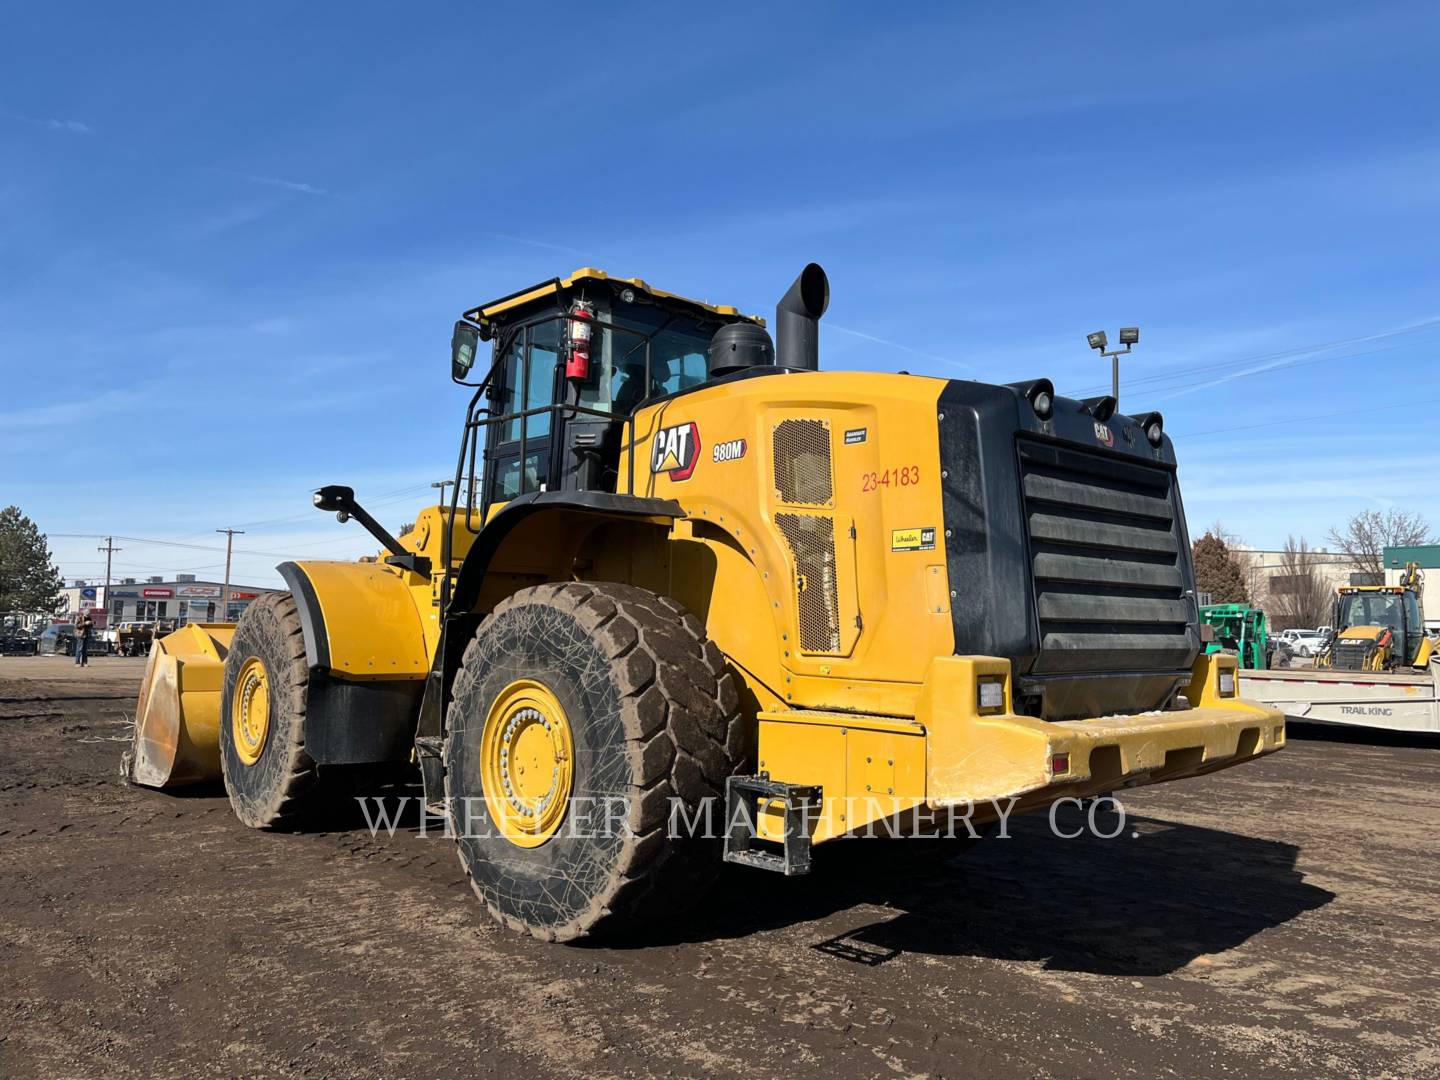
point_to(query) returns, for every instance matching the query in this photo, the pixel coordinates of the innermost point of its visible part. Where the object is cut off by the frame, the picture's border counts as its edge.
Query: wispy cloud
(279, 182)
(288, 185)
(543, 244)
(71, 127)
(951, 361)
(69, 414)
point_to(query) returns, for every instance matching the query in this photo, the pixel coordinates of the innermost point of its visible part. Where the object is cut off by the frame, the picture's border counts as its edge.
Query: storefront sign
(151, 594)
(206, 591)
(244, 595)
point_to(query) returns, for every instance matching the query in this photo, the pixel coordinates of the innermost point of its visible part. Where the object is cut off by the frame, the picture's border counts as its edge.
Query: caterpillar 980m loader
(685, 578)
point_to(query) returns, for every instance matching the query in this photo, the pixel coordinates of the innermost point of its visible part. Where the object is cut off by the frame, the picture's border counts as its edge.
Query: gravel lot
(1274, 920)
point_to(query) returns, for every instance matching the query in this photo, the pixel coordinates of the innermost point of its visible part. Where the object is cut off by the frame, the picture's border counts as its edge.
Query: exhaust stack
(797, 320)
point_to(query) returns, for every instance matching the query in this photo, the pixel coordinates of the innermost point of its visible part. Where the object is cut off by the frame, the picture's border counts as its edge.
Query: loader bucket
(177, 719)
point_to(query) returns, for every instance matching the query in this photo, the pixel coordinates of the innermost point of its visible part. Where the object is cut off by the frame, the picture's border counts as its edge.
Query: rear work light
(991, 695)
(1227, 684)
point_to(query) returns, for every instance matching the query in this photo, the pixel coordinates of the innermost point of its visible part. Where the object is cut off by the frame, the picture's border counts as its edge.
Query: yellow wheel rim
(250, 711)
(527, 763)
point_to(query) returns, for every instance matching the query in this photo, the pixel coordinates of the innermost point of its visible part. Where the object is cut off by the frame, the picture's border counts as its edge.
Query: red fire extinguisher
(579, 329)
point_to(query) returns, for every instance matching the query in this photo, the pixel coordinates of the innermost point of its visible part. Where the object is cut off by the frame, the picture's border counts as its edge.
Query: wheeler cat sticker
(912, 539)
(1102, 434)
(676, 451)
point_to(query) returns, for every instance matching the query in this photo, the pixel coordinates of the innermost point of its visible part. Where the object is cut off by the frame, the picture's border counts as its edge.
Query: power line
(1305, 419)
(1185, 376)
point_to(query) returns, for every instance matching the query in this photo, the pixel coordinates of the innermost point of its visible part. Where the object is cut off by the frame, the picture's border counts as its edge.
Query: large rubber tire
(278, 789)
(654, 716)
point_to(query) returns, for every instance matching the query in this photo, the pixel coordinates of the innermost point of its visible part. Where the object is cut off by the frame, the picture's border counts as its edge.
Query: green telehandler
(1240, 629)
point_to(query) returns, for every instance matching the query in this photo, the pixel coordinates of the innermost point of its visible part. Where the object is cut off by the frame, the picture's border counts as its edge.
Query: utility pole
(109, 550)
(230, 535)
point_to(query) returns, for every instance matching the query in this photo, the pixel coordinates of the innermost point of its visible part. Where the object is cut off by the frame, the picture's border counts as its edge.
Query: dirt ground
(1274, 920)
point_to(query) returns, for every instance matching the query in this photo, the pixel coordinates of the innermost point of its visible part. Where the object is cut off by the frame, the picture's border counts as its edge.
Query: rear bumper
(974, 757)
(956, 756)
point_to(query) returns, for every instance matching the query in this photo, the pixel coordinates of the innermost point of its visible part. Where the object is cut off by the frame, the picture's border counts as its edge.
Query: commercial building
(181, 599)
(1397, 558)
(1428, 556)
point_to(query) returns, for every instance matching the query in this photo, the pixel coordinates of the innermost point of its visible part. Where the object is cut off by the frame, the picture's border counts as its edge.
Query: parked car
(1306, 642)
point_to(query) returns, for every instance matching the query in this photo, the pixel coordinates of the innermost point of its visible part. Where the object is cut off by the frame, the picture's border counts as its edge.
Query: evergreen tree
(1217, 571)
(29, 581)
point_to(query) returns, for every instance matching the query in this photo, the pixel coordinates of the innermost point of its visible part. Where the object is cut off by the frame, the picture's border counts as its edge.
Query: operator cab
(1397, 610)
(573, 359)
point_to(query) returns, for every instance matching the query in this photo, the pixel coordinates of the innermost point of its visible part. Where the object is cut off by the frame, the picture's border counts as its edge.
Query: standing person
(83, 626)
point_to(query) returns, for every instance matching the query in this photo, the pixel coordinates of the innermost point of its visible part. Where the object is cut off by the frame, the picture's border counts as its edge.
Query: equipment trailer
(1389, 700)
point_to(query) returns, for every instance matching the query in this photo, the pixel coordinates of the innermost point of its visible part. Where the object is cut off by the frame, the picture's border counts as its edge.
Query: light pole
(1129, 337)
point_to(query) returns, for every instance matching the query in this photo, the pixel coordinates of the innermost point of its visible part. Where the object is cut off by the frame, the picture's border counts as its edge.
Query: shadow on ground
(1360, 736)
(1145, 904)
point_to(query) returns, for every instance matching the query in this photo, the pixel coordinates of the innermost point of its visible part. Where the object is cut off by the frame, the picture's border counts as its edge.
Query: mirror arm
(342, 500)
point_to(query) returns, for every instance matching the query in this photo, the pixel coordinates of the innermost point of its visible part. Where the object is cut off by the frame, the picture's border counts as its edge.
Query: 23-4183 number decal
(904, 476)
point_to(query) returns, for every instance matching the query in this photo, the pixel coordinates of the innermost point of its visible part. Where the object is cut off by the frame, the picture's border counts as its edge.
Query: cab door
(519, 450)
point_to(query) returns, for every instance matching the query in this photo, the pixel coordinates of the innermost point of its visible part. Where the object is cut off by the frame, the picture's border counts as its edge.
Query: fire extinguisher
(578, 333)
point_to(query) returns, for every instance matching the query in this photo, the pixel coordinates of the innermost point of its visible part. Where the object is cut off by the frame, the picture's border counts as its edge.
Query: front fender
(365, 647)
(359, 620)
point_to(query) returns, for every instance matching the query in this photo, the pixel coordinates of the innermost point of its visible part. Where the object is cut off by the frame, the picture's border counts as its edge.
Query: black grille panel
(1106, 555)
(1348, 656)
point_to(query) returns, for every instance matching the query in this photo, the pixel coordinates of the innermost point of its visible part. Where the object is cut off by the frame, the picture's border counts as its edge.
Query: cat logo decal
(676, 451)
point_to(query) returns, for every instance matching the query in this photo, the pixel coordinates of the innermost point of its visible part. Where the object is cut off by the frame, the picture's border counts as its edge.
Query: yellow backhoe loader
(693, 600)
(1379, 627)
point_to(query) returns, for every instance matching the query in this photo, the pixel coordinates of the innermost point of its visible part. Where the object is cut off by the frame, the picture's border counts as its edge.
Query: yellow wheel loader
(694, 600)
(1379, 627)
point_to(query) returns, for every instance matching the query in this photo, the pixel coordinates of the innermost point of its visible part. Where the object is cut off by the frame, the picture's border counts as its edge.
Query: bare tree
(1299, 596)
(1365, 537)
(1229, 537)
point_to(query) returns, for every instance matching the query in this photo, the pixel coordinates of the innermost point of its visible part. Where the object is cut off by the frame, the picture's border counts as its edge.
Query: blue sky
(232, 245)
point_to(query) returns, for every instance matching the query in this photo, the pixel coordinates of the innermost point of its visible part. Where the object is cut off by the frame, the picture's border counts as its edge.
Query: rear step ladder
(800, 804)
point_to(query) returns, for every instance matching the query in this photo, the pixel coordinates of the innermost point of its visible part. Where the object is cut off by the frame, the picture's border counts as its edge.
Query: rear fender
(534, 538)
(539, 536)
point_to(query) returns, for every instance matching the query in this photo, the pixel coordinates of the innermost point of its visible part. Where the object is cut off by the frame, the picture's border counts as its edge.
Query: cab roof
(489, 311)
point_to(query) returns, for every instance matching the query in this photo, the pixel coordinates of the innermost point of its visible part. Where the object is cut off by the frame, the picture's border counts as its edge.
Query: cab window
(678, 344)
(529, 382)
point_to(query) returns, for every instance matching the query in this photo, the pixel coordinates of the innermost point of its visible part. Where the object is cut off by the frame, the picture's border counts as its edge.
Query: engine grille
(812, 545)
(802, 462)
(1106, 557)
(1350, 656)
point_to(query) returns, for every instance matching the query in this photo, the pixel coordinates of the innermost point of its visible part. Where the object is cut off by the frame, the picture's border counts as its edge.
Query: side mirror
(335, 497)
(464, 347)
